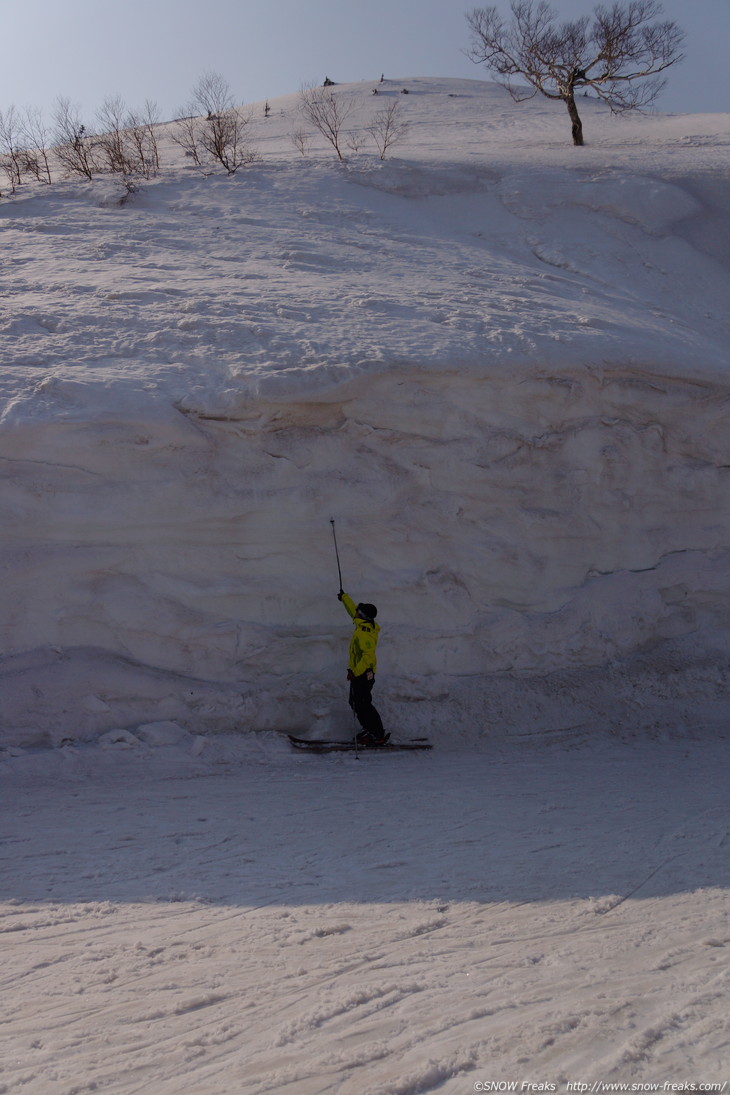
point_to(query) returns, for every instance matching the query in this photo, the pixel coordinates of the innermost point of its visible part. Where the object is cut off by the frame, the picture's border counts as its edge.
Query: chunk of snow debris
(198, 745)
(95, 705)
(162, 733)
(119, 737)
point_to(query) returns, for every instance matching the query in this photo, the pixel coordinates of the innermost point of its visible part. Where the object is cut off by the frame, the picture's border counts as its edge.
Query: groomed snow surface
(501, 363)
(221, 916)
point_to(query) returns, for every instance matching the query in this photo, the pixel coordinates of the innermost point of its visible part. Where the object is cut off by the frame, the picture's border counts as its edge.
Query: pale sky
(90, 50)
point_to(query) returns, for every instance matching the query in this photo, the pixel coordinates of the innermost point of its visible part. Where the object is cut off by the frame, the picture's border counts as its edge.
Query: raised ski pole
(339, 572)
(337, 554)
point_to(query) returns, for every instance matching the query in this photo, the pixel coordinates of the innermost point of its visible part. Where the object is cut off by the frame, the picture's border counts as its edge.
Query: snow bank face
(505, 379)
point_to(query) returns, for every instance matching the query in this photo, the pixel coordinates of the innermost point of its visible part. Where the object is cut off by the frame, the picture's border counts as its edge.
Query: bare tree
(11, 152)
(112, 140)
(223, 136)
(212, 125)
(355, 139)
(186, 134)
(74, 145)
(36, 141)
(301, 140)
(142, 138)
(127, 140)
(24, 141)
(622, 44)
(387, 129)
(327, 112)
(212, 94)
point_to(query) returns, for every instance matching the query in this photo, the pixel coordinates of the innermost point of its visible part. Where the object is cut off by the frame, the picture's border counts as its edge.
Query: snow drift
(500, 363)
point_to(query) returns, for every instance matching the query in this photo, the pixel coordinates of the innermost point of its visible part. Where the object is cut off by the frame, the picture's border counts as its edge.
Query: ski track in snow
(239, 918)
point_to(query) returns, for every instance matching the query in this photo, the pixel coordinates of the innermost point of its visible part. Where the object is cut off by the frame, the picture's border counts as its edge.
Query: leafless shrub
(387, 129)
(327, 112)
(131, 189)
(301, 140)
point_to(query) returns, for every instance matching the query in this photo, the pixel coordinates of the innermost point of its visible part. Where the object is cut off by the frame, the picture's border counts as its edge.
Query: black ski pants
(362, 704)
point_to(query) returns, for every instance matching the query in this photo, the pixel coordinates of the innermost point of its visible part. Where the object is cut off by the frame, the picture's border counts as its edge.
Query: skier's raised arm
(348, 603)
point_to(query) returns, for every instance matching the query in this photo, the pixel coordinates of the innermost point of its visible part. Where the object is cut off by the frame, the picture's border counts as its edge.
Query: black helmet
(369, 612)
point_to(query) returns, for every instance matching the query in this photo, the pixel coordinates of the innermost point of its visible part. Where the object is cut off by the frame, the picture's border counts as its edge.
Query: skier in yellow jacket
(361, 670)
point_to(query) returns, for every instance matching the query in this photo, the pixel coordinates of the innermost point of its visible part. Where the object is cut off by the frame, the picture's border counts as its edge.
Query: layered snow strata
(534, 522)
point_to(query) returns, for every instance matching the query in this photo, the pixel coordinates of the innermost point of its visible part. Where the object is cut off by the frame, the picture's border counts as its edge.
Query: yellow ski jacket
(363, 642)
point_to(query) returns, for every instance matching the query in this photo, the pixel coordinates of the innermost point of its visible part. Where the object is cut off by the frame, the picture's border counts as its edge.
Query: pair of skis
(318, 745)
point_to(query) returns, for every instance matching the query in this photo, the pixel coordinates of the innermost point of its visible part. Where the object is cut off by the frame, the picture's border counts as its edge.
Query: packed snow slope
(500, 362)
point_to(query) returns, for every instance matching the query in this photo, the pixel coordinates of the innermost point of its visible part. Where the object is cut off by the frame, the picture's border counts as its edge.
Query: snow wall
(503, 371)
(179, 564)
